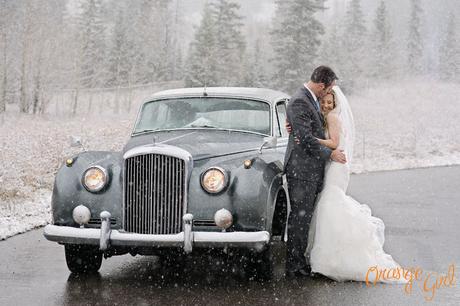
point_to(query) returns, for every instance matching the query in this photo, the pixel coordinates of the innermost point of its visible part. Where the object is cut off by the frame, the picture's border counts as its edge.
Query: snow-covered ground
(33, 149)
(397, 127)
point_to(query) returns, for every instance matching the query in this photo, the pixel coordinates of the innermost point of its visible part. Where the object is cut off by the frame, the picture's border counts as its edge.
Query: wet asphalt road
(420, 209)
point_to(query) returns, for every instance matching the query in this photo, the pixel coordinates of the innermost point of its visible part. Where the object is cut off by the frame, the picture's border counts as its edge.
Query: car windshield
(219, 113)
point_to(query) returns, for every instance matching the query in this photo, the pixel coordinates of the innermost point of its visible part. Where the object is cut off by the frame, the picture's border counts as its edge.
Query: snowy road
(419, 207)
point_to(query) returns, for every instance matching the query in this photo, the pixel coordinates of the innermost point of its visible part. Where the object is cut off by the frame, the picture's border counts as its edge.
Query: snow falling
(82, 68)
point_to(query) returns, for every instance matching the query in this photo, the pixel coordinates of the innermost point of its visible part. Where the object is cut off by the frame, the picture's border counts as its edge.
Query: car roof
(266, 94)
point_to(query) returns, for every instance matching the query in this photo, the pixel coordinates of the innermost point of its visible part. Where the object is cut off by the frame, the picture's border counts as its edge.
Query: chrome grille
(154, 194)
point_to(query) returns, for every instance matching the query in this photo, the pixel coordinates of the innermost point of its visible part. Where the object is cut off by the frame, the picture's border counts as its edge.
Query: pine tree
(4, 20)
(414, 40)
(152, 36)
(295, 39)
(119, 59)
(201, 67)
(93, 48)
(230, 47)
(163, 52)
(381, 64)
(331, 51)
(449, 53)
(354, 56)
(255, 74)
(178, 65)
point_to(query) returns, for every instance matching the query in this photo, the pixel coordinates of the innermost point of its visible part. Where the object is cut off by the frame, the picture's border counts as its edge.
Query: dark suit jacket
(305, 161)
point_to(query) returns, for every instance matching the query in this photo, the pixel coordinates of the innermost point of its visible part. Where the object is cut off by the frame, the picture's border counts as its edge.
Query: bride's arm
(333, 128)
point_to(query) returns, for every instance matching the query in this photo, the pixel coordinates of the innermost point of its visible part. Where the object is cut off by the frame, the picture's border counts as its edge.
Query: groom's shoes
(302, 272)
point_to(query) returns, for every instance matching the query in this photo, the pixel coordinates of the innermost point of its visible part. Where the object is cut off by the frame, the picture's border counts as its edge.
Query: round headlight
(95, 178)
(214, 180)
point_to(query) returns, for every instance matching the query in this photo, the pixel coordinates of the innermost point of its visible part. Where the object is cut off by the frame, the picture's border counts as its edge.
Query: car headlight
(95, 178)
(214, 180)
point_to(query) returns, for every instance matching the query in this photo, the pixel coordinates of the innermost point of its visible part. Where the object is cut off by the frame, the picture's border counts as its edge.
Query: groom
(304, 164)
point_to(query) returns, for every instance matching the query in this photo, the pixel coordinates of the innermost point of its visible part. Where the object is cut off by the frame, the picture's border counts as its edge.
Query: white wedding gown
(345, 240)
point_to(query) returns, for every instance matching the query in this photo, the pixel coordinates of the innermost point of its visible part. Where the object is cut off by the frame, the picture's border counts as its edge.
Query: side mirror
(75, 142)
(269, 142)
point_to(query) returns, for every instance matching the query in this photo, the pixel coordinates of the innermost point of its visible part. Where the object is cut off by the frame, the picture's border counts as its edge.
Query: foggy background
(57, 51)
(82, 68)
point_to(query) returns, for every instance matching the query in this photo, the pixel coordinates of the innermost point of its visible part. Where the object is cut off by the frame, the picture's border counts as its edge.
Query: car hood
(201, 144)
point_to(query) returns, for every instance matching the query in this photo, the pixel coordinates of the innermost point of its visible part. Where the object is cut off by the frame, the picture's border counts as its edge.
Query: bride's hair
(334, 103)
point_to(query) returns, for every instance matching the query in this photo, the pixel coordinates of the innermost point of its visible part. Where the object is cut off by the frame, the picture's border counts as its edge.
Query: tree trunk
(90, 103)
(4, 78)
(36, 98)
(75, 102)
(24, 104)
(129, 93)
(3, 94)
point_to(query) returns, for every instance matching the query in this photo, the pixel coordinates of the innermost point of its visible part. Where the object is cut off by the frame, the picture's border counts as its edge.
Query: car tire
(83, 258)
(259, 265)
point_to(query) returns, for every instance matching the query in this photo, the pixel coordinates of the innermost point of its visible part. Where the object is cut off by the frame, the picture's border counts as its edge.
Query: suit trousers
(302, 196)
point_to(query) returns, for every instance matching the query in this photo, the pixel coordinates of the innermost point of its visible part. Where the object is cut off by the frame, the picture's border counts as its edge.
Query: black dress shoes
(302, 272)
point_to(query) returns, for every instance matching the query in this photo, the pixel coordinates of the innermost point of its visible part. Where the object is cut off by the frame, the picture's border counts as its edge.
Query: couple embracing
(328, 232)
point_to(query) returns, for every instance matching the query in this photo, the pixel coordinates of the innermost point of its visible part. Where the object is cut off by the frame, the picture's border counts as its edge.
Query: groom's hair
(323, 74)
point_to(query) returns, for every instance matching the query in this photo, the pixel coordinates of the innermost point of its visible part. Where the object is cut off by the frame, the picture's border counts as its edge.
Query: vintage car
(202, 170)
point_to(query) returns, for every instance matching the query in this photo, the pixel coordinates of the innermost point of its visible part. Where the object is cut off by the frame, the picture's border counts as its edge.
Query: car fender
(69, 192)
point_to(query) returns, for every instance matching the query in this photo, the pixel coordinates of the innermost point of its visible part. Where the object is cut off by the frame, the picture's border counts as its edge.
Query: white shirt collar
(312, 93)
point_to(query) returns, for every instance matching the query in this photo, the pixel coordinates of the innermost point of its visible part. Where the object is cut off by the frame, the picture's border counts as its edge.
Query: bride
(345, 240)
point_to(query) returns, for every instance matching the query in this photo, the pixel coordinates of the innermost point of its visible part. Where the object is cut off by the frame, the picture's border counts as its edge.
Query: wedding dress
(345, 240)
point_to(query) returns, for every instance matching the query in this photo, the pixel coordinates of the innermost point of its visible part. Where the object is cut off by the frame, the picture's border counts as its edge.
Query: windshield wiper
(204, 126)
(145, 131)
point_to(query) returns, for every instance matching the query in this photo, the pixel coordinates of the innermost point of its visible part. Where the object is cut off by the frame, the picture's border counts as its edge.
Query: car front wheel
(83, 258)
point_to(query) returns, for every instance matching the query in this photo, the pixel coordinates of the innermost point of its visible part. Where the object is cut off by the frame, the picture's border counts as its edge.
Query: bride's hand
(338, 156)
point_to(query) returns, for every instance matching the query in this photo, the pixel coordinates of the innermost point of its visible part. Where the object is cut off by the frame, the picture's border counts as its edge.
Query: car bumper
(72, 235)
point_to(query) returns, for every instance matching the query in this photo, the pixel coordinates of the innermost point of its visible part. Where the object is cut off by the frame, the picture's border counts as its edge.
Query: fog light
(223, 218)
(247, 164)
(81, 214)
(69, 162)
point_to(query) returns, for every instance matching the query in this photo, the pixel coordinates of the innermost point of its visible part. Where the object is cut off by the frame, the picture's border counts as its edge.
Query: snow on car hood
(201, 143)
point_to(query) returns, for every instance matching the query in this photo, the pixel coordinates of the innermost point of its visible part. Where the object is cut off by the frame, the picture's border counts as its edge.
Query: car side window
(281, 116)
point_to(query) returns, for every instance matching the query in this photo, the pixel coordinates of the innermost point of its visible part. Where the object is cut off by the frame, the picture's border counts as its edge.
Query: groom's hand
(338, 156)
(289, 130)
(288, 127)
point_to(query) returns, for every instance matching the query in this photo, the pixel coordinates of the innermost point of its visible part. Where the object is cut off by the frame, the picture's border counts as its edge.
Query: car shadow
(212, 276)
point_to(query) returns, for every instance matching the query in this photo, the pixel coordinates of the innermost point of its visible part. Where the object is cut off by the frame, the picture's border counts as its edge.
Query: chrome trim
(226, 179)
(75, 235)
(165, 155)
(105, 231)
(159, 148)
(106, 178)
(188, 234)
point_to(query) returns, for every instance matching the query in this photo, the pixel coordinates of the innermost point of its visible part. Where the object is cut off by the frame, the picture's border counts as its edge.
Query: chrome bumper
(106, 237)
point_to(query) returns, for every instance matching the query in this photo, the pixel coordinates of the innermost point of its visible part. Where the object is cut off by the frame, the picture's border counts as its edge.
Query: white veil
(343, 111)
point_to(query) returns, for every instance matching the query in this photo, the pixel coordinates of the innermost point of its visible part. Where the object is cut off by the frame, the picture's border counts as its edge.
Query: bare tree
(3, 53)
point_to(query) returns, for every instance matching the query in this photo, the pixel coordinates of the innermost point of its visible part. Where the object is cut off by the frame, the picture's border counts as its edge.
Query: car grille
(154, 194)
